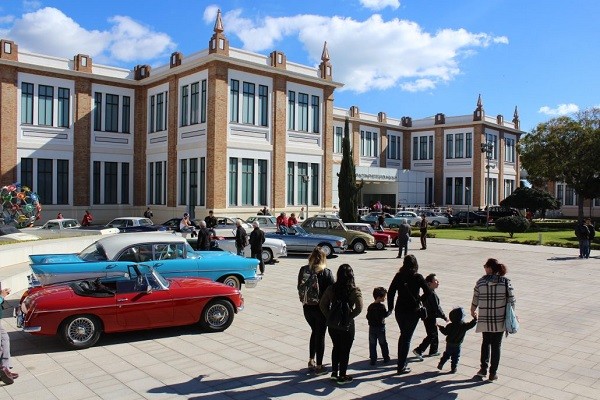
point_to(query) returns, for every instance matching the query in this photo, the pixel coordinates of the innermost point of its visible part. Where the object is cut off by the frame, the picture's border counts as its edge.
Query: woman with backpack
(341, 303)
(407, 283)
(313, 280)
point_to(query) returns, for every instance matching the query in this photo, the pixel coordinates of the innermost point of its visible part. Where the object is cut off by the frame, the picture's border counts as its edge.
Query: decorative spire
(516, 120)
(219, 23)
(479, 103)
(325, 54)
(478, 114)
(516, 114)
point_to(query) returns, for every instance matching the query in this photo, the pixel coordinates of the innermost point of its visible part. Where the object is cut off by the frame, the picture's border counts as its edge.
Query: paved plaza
(263, 355)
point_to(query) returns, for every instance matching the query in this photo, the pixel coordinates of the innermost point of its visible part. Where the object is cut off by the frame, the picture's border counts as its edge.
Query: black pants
(403, 245)
(377, 334)
(423, 239)
(453, 353)
(491, 341)
(318, 326)
(407, 322)
(432, 337)
(340, 353)
(258, 256)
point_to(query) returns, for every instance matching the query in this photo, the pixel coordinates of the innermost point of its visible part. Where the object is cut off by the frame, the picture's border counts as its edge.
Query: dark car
(474, 218)
(134, 224)
(496, 212)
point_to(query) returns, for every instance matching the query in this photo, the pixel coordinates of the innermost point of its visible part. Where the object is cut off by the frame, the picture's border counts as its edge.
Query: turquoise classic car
(168, 253)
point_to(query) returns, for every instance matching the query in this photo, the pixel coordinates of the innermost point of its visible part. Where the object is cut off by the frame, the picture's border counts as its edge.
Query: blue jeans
(452, 352)
(377, 334)
(407, 322)
(584, 248)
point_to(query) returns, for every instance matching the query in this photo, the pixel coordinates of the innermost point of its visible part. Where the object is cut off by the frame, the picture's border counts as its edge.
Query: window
(262, 182)
(248, 103)
(415, 148)
(159, 112)
(183, 182)
(493, 139)
(263, 105)
(126, 117)
(448, 190)
(158, 183)
(458, 191)
(195, 94)
(491, 190)
(338, 138)
(302, 112)
(96, 182)
(315, 113)
(27, 172)
(193, 182)
(111, 123)
(290, 183)
(570, 197)
(368, 144)
(423, 147)
(184, 106)
(458, 145)
(45, 105)
(202, 185)
(455, 145)
(509, 187)
(62, 181)
(125, 183)
(234, 100)
(509, 150)
(157, 176)
(110, 183)
(203, 103)
(63, 107)
(98, 111)
(152, 111)
(291, 110)
(450, 146)
(247, 182)
(469, 145)
(302, 183)
(233, 181)
(314, 181)
(428, 190)
(26, 103)
(468, 188)
(44, 180)
(394, 147)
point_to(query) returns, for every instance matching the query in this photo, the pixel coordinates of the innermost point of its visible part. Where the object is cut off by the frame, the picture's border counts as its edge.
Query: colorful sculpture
(20, 206)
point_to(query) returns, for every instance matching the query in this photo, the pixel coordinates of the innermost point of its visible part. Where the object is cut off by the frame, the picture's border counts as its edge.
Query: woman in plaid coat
(492, 292)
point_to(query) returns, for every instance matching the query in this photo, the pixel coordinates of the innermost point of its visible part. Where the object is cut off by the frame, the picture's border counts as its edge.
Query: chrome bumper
(32, 329)
(251, 283)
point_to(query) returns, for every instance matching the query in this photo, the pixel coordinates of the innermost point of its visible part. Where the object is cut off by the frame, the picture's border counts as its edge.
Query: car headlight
(339, 243)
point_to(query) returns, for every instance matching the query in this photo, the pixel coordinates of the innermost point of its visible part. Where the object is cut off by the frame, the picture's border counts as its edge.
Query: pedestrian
(292, 220)
(204, 235)
(302, 214)
(6, 375)
(185, 225)
(381, 221)
(257, 238)
(583, 235)
(87, 218)
(313, 280)
(282, 220)
(241, 238)
(491, 294)
(407, 282)
(423, 230)
(211, 220)
(404, 231)
(591, 236)
(148, 213)
(59, 216)
(348, 297)
(434, 311)
(376, 315)
(455, 334)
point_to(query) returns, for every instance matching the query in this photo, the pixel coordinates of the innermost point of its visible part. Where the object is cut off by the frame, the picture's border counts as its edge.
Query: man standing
(148, 213)
(403, 237)
(211, 221)
(591, 235)
(423, 229)
(257, 238)
(6, 375)
(203, 243)
(87, 219)
(241, 239)
(583, 234)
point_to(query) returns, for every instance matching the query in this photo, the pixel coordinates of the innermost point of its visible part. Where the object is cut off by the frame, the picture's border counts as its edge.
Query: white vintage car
(64, 223)
(272, 248)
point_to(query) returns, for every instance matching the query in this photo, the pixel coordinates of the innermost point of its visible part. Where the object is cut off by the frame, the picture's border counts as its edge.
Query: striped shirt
(490, 295)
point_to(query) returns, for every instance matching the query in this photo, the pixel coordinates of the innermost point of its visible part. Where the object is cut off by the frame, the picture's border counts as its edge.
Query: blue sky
(403, 57)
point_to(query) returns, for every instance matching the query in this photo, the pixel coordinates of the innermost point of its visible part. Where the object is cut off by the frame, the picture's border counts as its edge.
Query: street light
(306, 179)
(487, 148)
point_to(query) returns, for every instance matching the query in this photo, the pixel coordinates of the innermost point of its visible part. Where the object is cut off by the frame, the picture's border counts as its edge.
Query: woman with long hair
(322, 278)
(406, 283)
(491, 294)
(344, 290)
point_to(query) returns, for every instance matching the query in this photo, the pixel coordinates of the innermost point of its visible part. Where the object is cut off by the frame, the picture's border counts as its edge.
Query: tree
(511, 224)
(532, 199)
(565, 149)
(348, 190)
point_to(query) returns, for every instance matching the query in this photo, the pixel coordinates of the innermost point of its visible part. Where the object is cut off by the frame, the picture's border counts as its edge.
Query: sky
(411, 58)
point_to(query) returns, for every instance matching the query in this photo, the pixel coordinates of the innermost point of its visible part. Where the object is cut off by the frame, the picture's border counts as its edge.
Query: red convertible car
(79, 311)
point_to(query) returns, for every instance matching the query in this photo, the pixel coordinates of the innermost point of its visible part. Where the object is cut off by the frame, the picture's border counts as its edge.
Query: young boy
(455, 333)
(434, 311)
(376, 314)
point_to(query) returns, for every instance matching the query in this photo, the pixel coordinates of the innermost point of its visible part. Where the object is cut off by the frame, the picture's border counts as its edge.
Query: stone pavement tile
(51, 378)
(162, 372)
(120, 392)
(582, 392)
(71, 391)
(45, 394)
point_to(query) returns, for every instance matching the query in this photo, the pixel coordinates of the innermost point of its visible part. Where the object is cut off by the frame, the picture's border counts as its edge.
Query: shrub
(512, 224)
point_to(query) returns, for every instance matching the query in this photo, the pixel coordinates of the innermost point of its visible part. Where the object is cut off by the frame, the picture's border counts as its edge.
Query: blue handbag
(511, 323)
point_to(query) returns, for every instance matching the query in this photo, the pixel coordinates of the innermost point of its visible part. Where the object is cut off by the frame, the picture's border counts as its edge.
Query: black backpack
(339, 316)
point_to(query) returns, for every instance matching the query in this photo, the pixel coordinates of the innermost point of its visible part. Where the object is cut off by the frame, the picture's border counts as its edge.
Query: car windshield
(298, 229)
(145, 221)
(160, 279)
(190, 252)
(94, 252)
(52, 225)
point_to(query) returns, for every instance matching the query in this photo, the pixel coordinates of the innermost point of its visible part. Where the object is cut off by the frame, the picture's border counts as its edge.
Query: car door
(138, 308)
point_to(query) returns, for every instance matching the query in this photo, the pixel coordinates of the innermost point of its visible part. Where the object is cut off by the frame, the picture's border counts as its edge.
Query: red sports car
(382, 239)
(78, 312)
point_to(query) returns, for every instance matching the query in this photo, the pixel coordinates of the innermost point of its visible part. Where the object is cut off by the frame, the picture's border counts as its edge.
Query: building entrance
(384, 198)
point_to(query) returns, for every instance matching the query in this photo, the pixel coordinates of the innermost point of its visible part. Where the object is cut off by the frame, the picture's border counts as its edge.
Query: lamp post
(306, 179)
(487, 148)
(468, 199)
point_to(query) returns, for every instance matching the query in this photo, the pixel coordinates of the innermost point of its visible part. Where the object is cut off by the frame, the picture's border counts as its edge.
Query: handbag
(421, 309)
(511, 323)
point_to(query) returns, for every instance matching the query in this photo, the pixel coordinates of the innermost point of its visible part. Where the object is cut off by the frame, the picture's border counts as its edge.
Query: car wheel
(267, 256)
(233, 281)
(359, 246)
(379, 245)
(435, 223)
(80, 331)
(327, 249)
(217, 316)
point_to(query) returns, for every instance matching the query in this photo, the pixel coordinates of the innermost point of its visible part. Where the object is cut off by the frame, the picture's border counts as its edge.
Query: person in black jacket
(257, 238)
(434, 311)
(406, 284)
(455, 333)
(203, 243)
(376, 315)
(240, 238)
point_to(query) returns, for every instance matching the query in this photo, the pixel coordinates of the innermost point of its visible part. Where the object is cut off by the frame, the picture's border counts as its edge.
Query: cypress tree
(348, 190)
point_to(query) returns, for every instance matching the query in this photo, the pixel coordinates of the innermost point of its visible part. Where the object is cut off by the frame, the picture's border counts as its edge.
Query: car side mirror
(148, 289)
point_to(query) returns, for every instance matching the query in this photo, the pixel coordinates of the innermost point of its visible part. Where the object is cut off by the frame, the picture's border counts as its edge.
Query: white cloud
(561, 109)
(6, 19)
(31, 5)
(369, 54)
(210, 13)
(380, 4)
(50, 31)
